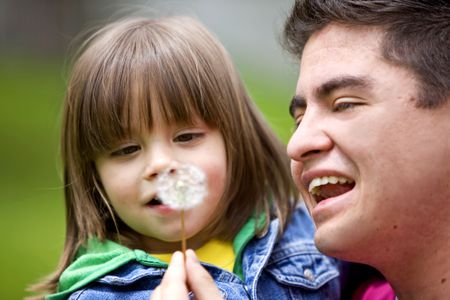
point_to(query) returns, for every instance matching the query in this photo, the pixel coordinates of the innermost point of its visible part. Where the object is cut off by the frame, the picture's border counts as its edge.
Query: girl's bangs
(135, 82)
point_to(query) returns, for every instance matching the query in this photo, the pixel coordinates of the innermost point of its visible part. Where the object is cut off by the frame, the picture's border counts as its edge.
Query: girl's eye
(186, 137)
(126, 150)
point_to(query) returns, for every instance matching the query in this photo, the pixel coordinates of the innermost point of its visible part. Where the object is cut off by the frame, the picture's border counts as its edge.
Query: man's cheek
(296, 171)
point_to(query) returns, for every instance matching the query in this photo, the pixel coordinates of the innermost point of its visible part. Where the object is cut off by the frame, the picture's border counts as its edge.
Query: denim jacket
(286, 267)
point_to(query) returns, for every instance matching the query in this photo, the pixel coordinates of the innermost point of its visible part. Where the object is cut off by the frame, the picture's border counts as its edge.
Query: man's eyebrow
(327, 88)
(334, 84)
(296, 103)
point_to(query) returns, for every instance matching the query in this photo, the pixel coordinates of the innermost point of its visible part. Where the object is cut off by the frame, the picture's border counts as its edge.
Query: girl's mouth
(156, 205)
(154, 202)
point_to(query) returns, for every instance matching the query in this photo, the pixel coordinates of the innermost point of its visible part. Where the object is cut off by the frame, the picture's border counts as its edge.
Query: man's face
(372, 168)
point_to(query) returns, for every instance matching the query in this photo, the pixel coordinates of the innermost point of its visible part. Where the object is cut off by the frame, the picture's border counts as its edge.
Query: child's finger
(173, 285)
(200, 282)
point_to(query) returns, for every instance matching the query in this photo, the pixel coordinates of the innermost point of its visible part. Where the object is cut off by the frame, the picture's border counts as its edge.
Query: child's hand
(199, 280)
(173, 285)
(180, 275)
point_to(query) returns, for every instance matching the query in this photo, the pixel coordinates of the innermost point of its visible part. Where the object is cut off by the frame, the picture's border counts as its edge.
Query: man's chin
(342, 247)
(332, 244)
(326, 247)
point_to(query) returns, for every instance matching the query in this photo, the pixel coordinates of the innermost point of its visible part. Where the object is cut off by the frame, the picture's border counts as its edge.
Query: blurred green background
(32, 82)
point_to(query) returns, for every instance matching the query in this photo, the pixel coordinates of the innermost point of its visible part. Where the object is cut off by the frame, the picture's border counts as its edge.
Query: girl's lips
(161, 209)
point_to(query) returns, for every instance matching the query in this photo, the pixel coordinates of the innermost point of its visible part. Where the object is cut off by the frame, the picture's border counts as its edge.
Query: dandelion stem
(183, 233)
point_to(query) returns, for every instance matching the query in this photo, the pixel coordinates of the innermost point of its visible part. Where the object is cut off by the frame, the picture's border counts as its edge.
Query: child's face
(128, 173)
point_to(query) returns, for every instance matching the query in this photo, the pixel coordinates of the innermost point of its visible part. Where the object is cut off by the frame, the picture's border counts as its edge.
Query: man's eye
(344, 106)
(298, 120)
(186, 137)
(126, 150)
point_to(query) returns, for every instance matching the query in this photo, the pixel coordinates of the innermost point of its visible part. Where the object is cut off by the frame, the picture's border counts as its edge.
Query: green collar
(241, 240)
(100, 258)
(96, 260)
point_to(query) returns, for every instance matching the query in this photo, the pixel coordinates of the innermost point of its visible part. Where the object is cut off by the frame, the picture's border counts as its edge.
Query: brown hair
(417, 35)
(176, 65)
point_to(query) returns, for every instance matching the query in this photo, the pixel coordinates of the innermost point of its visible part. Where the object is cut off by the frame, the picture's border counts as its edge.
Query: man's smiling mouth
(329, 186)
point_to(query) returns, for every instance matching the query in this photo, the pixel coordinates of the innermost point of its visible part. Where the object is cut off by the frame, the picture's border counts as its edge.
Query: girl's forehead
(160, 116)
(158, 111)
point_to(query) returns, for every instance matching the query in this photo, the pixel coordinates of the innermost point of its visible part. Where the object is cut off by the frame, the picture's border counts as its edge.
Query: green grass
(31, 207)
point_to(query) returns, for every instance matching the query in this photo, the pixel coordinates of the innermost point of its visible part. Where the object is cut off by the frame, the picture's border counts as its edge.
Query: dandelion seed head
(183, 187)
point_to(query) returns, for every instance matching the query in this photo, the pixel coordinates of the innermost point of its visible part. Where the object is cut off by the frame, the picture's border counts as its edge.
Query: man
(371, 153)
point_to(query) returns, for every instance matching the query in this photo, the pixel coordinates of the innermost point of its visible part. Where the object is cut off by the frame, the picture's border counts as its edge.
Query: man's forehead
(339, 46)
(337, 35)
(335, 57)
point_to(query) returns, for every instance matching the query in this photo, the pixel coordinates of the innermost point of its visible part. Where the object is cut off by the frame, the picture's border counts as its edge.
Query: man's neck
(423, 276)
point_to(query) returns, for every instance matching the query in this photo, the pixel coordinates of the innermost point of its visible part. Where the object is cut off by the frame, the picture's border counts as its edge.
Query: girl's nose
(158, 159)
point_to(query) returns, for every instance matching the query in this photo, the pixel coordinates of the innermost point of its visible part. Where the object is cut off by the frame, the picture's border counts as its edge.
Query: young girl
(151, 94)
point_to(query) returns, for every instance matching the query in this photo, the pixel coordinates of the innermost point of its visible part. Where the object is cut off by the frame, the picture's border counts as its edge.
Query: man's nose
(310, 139)
(159, 158)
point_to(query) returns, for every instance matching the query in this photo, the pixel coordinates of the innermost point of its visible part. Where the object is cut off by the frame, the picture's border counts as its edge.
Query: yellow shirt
(215, 252)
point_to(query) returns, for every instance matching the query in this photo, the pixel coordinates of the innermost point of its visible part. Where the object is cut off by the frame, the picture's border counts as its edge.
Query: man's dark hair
(417, 35)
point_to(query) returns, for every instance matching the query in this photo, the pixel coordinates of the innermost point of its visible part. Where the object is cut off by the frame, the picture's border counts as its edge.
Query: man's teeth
(319, 181)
